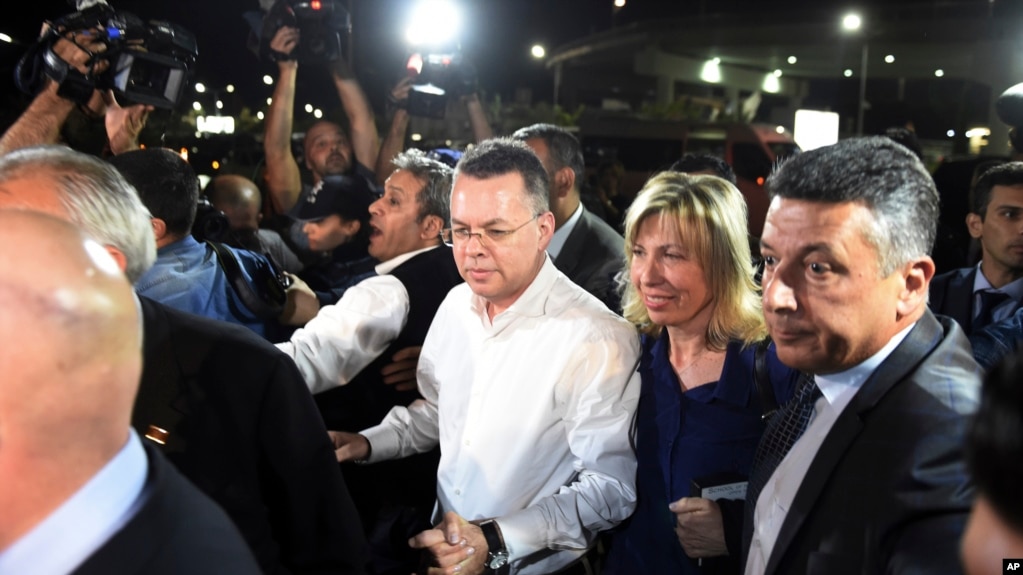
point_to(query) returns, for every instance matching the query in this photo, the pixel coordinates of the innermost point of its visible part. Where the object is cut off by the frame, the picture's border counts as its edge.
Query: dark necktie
(989, 300)
(787, 425)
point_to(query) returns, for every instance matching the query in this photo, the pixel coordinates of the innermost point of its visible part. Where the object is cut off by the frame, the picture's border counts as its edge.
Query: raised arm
(41, 122)
(481, 129)
(283, 178)
(364, 135)
(394, 142)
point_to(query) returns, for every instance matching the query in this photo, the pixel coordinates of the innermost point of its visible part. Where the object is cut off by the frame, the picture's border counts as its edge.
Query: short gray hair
(500, 156)
(435, 197)
(884, 176)
(97, 199)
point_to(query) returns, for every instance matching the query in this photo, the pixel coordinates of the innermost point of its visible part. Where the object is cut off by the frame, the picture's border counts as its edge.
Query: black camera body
(149, 62)
(323, 25)
(439, 76)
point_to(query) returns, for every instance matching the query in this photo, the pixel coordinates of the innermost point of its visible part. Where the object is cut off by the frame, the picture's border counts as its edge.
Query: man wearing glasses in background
(529, 388)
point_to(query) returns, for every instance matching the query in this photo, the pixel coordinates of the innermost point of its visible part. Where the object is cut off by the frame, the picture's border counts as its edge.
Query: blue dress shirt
(708, 430)
(188, 277)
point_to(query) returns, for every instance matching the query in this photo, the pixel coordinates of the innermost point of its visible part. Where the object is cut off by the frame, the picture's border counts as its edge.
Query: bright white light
(260, 115)
(780, 129)
(939, 73)
(268, 80)
(269, 101)
(815, 129)
(711, 71)
(978, 132)
(215, 124)
(771, 84)
(847, 73)
(416, 137)
(951, 133)
(230, 88)
(220, 104)
(619, 3)
(196, 106)
(793, 60)
(777, 73)
(6, 38)
(309, 108)
(852, 22)
(317, 113)
(200, 87)
(889, 58)
(433, 22)
(538, 51)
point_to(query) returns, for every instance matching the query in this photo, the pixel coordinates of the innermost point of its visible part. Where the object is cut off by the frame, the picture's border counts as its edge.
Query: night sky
(497, 35)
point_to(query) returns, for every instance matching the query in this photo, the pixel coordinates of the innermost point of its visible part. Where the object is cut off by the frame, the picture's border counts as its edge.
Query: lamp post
(852, 22)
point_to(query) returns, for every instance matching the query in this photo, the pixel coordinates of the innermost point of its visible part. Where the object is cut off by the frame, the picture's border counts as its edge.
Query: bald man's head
(71, 357)
(239, 198)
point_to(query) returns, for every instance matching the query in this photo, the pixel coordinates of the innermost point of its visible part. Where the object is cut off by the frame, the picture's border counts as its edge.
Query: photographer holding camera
(328, 150)
(42, 121)
(399, 100)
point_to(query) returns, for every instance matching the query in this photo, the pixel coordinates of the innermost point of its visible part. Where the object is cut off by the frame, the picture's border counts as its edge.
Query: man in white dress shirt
(529, 386)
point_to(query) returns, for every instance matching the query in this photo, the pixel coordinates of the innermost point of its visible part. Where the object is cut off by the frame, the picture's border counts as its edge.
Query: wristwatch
(497, 553)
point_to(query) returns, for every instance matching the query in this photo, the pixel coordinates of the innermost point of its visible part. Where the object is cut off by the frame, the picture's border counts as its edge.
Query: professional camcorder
(438, 76)
(149, 62)
(323, 25)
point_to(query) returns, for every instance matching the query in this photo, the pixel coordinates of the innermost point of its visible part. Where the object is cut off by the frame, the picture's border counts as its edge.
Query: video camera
(324, 25)
(149, 62)
(438, 76)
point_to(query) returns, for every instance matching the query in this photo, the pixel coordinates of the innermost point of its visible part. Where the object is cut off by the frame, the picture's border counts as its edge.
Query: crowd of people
(398, 364)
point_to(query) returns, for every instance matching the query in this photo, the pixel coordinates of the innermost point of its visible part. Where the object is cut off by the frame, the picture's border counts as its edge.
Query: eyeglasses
(489, 236)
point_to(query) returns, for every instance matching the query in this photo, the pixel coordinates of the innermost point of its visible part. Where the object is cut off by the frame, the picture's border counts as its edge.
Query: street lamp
(852, 22)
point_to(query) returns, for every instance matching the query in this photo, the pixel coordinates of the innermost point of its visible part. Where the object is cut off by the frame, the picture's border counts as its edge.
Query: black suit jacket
(888, 490)
(244, 428)
(951, 294)
(592, 256)
(177, 530)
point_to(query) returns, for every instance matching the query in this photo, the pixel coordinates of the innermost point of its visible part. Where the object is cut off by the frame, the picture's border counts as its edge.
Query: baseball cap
(347, 196)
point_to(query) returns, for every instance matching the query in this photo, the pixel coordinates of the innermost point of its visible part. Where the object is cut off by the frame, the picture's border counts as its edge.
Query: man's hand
(699, 527)
(454, 546)
(349, 446)
(302, 304)
(399, 93)
(124, 124)
(401, 372)
(284, 42)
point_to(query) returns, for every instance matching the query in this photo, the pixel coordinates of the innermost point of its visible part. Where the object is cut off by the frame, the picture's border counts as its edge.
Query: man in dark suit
(877, 483)
(584, 248)
(226, 407)
(80, 492)
(992, 290)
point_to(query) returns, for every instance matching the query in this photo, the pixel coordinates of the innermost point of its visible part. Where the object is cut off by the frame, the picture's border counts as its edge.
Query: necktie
(989, 300)
(787, 425)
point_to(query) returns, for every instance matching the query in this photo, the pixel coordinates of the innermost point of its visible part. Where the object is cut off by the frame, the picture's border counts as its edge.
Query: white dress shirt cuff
(524, 532)
(384, 443)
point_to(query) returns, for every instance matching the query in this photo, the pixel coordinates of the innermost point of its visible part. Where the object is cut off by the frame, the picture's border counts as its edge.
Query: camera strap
(71, 84)
(258, 305)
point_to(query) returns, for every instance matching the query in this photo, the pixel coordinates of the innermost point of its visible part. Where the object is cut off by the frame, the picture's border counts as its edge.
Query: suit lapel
(570, 257)
(959, 299)
(920, 341)
(161, 399)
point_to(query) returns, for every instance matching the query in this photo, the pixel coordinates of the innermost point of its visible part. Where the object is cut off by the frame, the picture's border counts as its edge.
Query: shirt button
(468, 443)
(458, 492)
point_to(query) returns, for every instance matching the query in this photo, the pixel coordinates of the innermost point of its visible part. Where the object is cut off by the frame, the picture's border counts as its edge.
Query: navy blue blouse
(708, 430)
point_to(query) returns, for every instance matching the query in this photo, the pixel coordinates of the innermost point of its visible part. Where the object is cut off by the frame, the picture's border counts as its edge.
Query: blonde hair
(708, 214)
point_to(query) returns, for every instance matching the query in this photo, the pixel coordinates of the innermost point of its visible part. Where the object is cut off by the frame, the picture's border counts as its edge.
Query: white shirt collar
(838, 388)
(1013, 288)
(532, 302)
(384, 268)
(561, 234)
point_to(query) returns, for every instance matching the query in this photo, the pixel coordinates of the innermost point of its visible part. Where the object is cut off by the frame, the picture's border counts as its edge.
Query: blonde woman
(693, 295)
